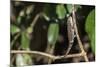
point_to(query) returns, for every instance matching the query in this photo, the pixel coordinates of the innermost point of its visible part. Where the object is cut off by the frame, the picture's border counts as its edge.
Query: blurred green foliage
(90, 28)
(23, 60)
(61, 11)
(25, 40)
(70, 7)
(53, 33)
(14, 29)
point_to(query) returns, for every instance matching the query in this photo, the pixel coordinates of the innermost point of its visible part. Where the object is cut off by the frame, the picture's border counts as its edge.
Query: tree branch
(77, 35)
(35, 19)
(46, 54)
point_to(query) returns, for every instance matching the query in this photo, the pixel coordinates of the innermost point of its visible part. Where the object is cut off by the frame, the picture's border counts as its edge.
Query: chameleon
(71, 33)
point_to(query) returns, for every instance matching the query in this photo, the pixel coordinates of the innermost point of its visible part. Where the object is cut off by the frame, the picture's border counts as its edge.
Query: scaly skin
(71, 33)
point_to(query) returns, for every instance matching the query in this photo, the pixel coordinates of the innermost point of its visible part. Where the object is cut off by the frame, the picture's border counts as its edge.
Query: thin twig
(33, 52)
(77, 35)
(15, 38)
(35, 19)
(46, 54)
(69, 56)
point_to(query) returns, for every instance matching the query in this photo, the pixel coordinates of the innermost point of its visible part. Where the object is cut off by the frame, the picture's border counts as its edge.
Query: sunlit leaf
(53, 32)
(29, 9)
(20, 60)
(25, 40)
(61, 12)
(14, 29)
(23, 60)
(19, 19)
(20, 16)
(27, 59)
(22, 13)
(90, 28)
(29, 30)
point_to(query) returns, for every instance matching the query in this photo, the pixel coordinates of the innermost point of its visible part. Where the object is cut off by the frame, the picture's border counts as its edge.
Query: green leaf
(49, 11)
(14, 29)
(27, 59)
(70, 7)
(25, 40)
(20, 16)
(29, 30)
(23, 60)
(29, 9)
(93, 41)
(90, 28)
(53, 33)
(61, 12)
(20, 60)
